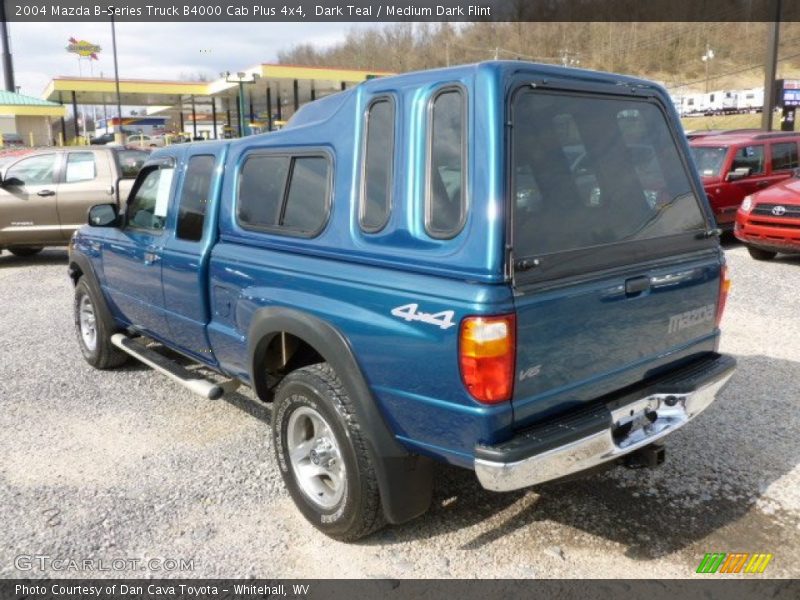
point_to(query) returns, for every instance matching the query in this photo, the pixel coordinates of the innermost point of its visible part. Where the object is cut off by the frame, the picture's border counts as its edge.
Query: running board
(176, 372)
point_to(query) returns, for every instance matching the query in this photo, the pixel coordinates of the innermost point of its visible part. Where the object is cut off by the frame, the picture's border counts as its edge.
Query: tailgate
(578, 341)
(616, 269)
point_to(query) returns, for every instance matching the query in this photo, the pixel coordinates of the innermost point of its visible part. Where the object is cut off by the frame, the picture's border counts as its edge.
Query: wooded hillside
(668, 52)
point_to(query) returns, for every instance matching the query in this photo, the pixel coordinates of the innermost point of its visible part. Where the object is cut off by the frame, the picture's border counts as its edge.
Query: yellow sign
(83, 48)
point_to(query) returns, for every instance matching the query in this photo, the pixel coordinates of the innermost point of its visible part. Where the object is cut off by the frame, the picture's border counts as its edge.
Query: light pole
(241, 78)
(119, 134)
(706, 58)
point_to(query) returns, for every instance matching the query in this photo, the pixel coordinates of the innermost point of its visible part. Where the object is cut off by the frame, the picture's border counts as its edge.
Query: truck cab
(506, 267)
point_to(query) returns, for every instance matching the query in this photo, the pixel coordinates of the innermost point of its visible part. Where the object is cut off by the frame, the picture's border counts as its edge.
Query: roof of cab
(180, 149)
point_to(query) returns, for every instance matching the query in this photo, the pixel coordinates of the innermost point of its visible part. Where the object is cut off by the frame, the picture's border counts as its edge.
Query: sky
(158, 50)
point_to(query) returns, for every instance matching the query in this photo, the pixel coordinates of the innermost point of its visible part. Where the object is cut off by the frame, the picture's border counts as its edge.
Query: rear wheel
(94, 327)
(25, 250)
(760, 254)
(323, 456)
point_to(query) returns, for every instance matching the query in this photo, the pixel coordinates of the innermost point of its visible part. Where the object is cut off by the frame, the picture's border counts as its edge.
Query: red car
(737, 164)
(769, 222)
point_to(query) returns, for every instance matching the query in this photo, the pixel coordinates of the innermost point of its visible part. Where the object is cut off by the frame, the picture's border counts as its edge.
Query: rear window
(594, 171)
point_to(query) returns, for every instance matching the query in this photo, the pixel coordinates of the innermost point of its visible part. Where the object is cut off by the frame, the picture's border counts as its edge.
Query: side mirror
(737, 174)
(12, 182)
(103, 215)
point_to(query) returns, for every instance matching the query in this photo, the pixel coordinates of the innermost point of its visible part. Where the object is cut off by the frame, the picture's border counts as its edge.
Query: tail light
(486, 357)
(724, 288)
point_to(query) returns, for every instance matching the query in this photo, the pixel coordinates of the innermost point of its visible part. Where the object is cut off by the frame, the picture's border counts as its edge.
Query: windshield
(595, 170)
(708, 159)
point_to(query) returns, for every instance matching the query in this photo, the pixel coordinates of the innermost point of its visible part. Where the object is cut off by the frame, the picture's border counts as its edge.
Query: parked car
(13, 140)
(768, 222)
(527, 302)
(45, 194)
(101, 140)
(145, 141)
(738, 164)
(179, 138)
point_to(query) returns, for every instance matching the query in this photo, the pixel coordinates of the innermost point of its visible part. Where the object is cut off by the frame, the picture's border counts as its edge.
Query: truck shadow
(48, 256)
(718, 469)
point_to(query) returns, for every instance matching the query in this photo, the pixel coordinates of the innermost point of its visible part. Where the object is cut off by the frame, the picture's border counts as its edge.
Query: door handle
(151, 257)
(763, 183)
(637, 285)
(45, 193)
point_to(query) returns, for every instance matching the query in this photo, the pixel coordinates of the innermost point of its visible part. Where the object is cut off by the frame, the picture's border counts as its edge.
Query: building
(28, 117)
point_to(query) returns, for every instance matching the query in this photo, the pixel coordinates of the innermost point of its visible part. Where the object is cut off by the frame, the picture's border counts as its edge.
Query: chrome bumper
(666, 412)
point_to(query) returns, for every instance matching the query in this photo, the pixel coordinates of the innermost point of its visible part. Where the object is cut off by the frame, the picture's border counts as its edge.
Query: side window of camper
(306, 205)
(446, 194)
(376, 190)
(285, 193)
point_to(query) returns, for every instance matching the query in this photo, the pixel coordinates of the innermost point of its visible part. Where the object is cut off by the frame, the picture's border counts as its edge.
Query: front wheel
(95, 327)
(760, 254)
(323, 456)
(25, 250)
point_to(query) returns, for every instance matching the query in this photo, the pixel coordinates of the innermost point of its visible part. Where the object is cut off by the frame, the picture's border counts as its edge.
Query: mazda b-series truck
(507, 267)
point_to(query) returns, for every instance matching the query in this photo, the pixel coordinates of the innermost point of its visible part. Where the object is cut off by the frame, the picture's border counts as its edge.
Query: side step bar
(165, 366)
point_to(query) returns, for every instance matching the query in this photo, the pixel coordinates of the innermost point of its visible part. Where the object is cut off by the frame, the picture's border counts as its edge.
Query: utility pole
(8, 65)
(771, 67)
(706, 58)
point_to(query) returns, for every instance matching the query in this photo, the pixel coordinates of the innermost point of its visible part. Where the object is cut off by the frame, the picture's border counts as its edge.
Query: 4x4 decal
(409, 312)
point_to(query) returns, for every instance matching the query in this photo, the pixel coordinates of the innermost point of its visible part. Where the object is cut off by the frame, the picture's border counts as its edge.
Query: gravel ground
(126, 464)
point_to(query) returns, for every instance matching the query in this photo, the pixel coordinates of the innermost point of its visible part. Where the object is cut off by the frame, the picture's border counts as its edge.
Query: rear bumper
(605, 431)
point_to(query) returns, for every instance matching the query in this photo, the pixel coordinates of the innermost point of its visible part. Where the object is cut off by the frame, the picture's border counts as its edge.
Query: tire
(25, 250)
(314, 416)
(760, 254)
(94, 328)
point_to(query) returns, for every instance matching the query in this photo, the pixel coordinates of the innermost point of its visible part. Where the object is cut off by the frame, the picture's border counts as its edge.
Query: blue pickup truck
(507, 267)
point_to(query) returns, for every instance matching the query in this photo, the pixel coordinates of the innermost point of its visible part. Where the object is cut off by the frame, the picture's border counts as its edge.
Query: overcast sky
(158, 50)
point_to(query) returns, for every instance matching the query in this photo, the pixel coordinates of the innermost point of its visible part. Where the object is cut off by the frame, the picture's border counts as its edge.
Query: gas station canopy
(269, 91)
